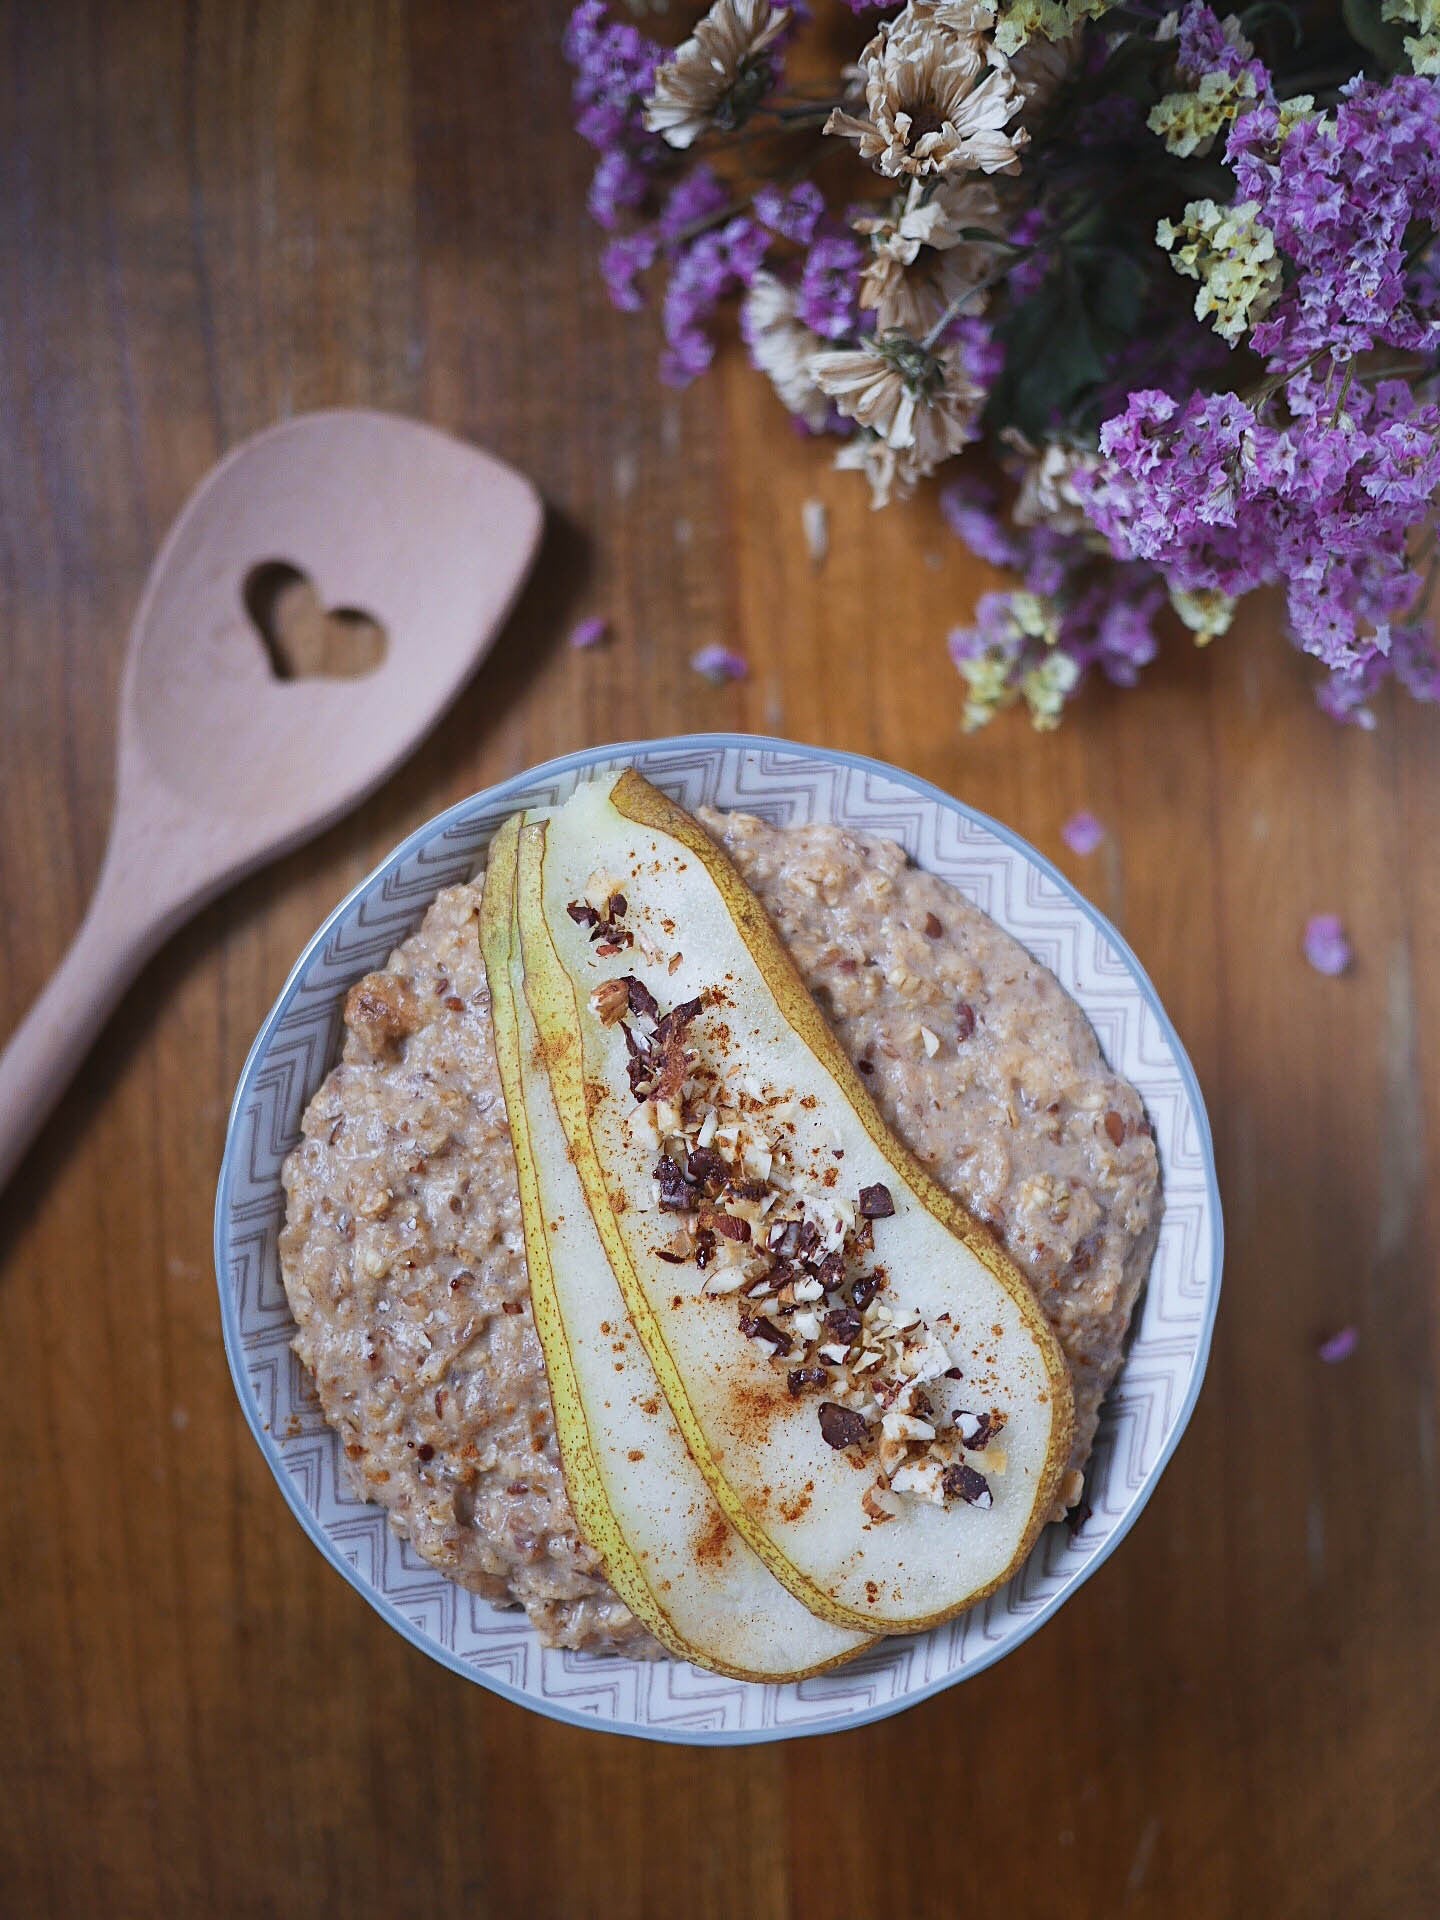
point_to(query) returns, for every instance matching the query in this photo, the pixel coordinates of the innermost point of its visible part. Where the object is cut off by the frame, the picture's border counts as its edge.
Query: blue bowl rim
(269, 1448)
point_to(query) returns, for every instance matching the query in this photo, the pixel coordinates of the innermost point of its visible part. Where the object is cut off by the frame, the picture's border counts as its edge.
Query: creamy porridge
(403, 1253)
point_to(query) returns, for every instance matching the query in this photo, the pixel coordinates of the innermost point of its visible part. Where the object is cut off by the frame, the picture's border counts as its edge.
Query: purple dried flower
(618, 183)
(793, 215)
(1082, 833)
(696, 196)
(1206, 44)
(1344, 196)
(829, 297)
(746, 244)
(623, 261)
(614, 71)
(1326, 947)
(718, 664)
(972, 515)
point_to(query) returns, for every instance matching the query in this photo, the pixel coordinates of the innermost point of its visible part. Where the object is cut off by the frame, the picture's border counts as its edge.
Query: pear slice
(638, 1496)
(821, 1514)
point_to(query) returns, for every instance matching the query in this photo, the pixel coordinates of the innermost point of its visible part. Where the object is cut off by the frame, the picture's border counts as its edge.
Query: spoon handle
(120, 931)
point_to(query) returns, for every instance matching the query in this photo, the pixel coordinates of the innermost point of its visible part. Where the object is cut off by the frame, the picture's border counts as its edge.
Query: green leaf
(1380, 38)
(1051, 359)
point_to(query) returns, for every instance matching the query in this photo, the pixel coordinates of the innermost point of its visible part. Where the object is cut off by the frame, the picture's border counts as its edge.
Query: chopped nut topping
(977, 1430)
(760, 1232)
(609, 1001)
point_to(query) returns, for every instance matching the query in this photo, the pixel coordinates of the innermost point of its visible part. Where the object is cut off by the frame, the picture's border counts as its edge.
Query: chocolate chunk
(425, 1452)
(953, 1373)
(677, 1020)
(755, 1326)
(676, 1195)
(842, 1426)
(831, 1271)
(962, 1482)
(1115, 1127)
(809, 1238)
(876, 1203)
(704, 1248)
(706, 1168)
(670, 1259)
(844, 1323)
(618, 906)
(640, 997)
(749, 1189)
(964, 1021)
(802, 1377)
(866, 1066)
(864, 1290)
(933, 928)
(582, 915)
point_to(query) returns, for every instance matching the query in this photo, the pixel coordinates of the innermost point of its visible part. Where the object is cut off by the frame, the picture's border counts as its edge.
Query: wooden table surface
(216, 213)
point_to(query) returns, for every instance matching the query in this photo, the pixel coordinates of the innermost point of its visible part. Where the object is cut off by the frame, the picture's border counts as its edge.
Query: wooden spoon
(226, 758)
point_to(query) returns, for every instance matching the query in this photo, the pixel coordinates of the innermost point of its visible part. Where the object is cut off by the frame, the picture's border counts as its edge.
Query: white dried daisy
(938, 98)
(892, 474)
(906, 237)
(922, 404)
(1047, 495)
(716, 76)
(782, 346)
(917, 299)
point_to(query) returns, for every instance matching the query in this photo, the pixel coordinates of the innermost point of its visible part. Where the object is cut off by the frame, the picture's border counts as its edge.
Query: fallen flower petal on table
(1082, 832)
(718, 664)
(1326, 946)
(590, 633)
(1339, 1346)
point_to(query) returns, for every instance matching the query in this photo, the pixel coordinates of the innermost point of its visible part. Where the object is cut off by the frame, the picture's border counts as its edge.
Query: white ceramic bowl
(665, 1700)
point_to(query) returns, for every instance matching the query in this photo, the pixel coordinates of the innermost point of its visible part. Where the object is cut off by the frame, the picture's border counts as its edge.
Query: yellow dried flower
(1422, 47)
(1189, 122)
(1206, 611)
(1232, 255)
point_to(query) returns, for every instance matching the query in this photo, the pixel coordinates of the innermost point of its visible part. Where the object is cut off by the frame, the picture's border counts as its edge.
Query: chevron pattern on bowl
(1143, 1417)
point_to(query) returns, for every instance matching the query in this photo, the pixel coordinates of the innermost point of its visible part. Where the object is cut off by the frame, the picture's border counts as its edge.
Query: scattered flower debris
(718, 664)
(590, 633)
(1326, 946)
(1339, 1346)
(1082, 832)
(815, 519)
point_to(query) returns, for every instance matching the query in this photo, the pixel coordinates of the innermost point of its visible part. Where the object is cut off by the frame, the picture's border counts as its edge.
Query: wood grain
(216, 213)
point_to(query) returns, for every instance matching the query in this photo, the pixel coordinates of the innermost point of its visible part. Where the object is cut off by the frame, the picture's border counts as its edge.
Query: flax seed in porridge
(403, 1253)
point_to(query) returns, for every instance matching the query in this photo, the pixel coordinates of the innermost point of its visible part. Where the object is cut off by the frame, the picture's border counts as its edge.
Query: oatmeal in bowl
(420, 1374)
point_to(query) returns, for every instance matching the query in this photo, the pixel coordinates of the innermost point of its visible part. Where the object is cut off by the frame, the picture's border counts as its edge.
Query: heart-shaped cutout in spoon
(232, 751)
(301, 634)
